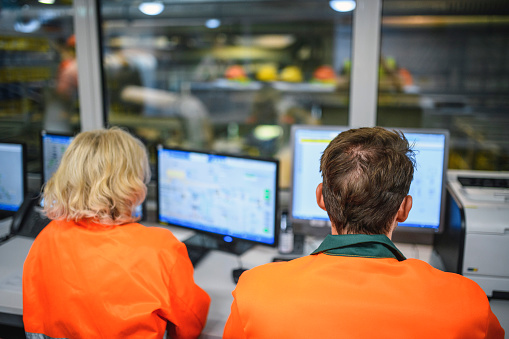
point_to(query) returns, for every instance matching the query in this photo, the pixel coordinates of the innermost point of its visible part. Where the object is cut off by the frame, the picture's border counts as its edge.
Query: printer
(475, 238)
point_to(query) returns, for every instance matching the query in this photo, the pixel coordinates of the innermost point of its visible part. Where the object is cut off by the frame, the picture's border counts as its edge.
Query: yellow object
(291, 74)
(267, 73)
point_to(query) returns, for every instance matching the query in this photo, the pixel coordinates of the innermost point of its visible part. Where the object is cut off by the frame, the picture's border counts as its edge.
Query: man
(357, 284)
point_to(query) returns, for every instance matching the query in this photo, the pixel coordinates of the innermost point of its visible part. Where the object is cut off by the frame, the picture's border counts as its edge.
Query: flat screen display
(12, 177)
(225, 195)
(53, 148)
(427, 188)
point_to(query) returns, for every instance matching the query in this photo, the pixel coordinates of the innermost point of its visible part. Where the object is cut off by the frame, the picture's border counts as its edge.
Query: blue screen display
(12, 176)
(53, 148)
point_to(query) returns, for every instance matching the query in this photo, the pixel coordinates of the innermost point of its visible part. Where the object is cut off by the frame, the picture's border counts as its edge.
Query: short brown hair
(366, 175)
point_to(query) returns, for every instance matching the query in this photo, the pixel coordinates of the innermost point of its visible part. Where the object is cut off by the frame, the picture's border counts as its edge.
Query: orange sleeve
(189, 304)
(233, 328)
(494, 330)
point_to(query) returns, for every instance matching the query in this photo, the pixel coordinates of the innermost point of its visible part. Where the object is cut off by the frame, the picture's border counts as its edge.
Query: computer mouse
(236, 274)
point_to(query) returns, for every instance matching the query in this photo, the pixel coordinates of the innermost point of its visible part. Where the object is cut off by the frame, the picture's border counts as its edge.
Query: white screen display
(219, 194)
(426, 188)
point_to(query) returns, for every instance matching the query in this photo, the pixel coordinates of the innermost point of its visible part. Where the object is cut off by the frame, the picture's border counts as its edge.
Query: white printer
(475, 238)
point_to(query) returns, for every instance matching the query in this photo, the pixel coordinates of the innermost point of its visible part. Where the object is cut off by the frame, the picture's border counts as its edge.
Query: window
(38, 73)
(444, 64)
(228, 76)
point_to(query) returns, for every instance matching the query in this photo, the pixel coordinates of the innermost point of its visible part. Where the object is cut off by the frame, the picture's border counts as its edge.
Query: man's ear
(319, 196)
(404, 209)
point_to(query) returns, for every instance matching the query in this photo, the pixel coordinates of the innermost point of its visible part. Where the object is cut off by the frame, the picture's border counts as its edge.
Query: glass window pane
(228, 76)
(38, 73)
(445, 65)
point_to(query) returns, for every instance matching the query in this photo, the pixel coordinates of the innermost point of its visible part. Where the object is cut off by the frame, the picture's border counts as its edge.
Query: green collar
(359, 245)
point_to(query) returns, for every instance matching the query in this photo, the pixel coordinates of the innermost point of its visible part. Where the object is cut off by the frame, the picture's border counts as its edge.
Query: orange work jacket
(84, 280)
(358, 286)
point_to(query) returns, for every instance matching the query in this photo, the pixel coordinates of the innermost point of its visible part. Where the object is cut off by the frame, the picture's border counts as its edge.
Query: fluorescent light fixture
(27, 27)
(213, 23)
(267, 132)
(47, 2)
(151, 8)
(342, 5)
(267, 40)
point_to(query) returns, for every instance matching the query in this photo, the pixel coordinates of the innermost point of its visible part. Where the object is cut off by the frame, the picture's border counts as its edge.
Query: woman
(94, 272)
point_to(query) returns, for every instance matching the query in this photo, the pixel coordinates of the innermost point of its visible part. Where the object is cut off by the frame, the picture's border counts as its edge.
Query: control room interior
(259, 86)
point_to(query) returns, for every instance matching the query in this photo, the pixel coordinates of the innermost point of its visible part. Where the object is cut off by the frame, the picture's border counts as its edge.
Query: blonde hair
(102, 177)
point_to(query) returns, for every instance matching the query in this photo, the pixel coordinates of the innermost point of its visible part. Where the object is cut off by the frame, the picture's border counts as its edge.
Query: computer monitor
(230, 199)
(53, 146)
(427, 188)
(13, 177)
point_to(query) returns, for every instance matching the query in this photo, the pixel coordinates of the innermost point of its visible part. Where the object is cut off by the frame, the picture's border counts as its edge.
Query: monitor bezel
(41, 140)
(218, 236)
(8, 213)
(322, 227)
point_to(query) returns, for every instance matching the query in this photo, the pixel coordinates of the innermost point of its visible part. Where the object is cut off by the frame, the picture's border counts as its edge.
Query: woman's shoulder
(157, 235)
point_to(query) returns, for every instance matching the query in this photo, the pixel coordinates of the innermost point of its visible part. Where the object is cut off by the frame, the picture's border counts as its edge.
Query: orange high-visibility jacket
(84, 280)
(361, 287)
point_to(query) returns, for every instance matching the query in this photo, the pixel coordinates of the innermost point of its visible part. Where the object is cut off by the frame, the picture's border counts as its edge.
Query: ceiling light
(342, 5)
(151, 8)
(47, 2)
(267, 132)
(213, 23)
(28, 26)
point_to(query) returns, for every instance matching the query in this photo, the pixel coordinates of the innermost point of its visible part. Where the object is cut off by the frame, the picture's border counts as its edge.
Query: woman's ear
(319, 196)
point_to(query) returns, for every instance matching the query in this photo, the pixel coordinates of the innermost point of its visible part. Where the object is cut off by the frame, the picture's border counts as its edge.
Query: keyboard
(33, 224)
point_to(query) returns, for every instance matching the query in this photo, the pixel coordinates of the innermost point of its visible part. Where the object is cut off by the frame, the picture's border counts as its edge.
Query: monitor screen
(12, 177)
(53, 147)
(427, 188)
(232, 197)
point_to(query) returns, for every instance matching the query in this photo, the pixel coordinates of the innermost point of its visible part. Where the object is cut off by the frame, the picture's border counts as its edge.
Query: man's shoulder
(445, 281)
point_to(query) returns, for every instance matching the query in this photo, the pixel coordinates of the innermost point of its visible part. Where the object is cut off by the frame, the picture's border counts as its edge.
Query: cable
(239, 260)
(416, 250)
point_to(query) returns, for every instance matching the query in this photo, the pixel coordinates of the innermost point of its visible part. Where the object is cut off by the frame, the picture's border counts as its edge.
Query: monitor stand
(6, 214)
(199, 245)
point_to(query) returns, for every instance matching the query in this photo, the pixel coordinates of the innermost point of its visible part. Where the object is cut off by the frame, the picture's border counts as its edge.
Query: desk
(213, 274)
(12, 256)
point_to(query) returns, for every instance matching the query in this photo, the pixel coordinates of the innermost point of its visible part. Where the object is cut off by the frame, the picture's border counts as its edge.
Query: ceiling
(293, 7)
